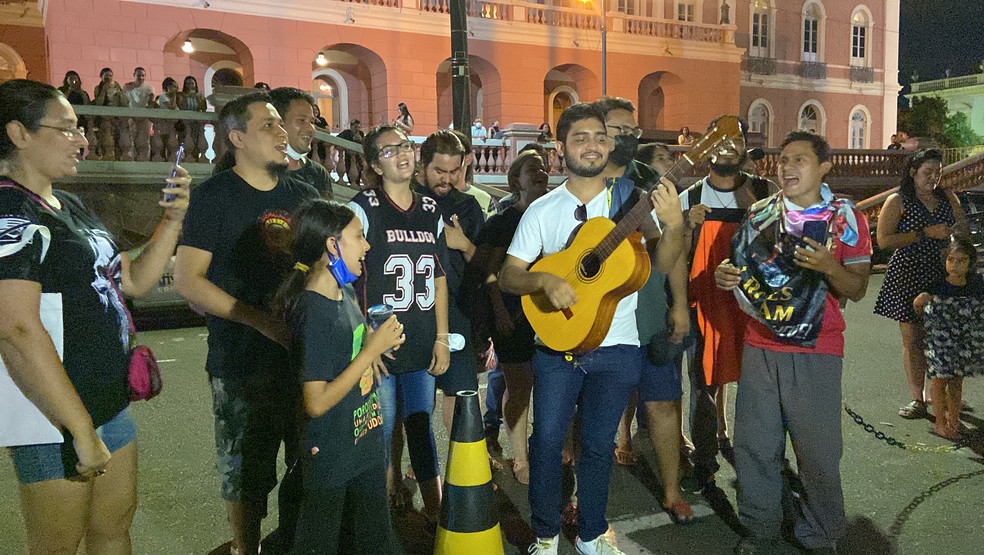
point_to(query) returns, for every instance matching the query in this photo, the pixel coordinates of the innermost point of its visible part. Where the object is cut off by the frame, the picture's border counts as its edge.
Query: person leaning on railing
(107, 93)
(192, 132)
(165, 139)
(58, 260)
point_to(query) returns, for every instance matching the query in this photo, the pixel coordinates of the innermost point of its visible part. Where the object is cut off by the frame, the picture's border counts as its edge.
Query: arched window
(859, 127)
(760, 34)
(760, 120)
(813, 30)
(812, 118)
(860, 37)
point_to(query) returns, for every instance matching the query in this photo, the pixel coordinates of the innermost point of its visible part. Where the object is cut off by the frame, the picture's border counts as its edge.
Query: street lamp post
(604, 49)
(604, 46)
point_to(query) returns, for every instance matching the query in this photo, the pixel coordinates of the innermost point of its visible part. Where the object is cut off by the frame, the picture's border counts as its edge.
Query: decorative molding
(796, 83)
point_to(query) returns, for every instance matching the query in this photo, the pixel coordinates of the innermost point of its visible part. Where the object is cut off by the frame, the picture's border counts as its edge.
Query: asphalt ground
(898, 501)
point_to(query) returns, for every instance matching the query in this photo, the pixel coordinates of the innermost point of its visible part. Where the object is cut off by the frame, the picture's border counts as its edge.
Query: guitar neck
(631, 221)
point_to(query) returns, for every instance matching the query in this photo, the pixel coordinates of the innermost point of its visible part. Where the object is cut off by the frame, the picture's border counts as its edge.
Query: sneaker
(913, 411)
(602, 545)
(544, 546)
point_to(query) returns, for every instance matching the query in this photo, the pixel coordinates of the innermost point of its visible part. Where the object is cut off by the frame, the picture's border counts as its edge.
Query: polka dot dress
(917, 266)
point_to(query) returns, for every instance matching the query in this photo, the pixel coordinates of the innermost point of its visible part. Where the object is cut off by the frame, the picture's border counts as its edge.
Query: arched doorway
(217, 59)
(656, 90)
(331, 95)
(485, 96)
(563, 86)
(349, 82)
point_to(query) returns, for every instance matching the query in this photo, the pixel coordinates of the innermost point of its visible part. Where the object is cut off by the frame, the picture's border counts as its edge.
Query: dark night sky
(940, 34)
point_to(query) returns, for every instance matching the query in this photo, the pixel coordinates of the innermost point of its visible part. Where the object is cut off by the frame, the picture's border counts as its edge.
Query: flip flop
(626, 457)
(680, 513)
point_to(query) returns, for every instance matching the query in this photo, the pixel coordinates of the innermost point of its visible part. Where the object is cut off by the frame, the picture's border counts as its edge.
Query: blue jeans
(413, 394)
(493, 398)
(599, 384)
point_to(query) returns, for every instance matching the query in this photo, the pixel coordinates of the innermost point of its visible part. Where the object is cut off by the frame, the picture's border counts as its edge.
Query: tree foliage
(929, 117)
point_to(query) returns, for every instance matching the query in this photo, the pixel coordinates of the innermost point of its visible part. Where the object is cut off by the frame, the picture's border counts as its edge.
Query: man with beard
(659, 385)
(714, 207)
(230, 261)
(296, 107)
(441, 158)
(597, 382)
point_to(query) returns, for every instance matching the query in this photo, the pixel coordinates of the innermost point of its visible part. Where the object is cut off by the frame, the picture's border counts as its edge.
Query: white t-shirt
(710, 197)
(545, 229)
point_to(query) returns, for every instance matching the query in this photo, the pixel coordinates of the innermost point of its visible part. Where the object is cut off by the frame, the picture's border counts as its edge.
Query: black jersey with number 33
(407, 254)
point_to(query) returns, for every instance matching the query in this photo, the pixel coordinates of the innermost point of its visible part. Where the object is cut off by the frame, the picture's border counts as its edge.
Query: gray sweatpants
(801, 394)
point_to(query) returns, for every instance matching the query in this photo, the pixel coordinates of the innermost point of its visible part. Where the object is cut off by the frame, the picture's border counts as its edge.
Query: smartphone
(816, 230)
(174, 171)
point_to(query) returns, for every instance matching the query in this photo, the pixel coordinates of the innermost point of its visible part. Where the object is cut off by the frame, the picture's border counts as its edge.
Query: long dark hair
(371, 152)
(907, 189)
(25, 101)
(312, 224)
(404, 111)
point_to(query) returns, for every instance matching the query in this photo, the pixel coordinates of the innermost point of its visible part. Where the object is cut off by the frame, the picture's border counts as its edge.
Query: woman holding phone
(57, 249)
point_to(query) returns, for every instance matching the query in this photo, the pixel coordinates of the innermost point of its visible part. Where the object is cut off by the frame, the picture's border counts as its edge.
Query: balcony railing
(760, 66)
(862, 74)
(948, 83)
(813, 70)
(571, 18)
(672, 29)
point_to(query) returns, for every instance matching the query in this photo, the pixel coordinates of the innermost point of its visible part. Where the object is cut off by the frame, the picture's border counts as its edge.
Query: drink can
(378, 314)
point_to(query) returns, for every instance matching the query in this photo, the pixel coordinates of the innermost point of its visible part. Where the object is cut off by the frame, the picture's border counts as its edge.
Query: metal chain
(896, 528)
(896, 443)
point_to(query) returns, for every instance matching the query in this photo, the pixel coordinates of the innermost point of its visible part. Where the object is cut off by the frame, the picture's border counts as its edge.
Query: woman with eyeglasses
(405, 270)
(61, 270)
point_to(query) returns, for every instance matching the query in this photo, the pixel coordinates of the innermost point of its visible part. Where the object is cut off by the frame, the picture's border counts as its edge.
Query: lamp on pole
(604, 46)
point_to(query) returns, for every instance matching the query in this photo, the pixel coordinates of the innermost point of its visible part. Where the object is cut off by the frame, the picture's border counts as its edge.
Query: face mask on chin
(624, 151)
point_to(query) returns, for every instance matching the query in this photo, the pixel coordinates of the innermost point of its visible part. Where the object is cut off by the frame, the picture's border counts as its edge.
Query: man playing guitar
(598, 380)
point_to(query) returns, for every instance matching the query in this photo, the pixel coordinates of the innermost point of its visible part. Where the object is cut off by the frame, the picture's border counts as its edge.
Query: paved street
(898, 501)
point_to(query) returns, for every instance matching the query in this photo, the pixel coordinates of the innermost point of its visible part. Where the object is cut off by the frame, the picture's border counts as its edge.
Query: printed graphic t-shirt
(348, 439)
(80, 259)
(247, 231)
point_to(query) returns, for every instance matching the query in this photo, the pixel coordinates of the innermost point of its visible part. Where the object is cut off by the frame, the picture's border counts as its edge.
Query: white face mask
(294, 155)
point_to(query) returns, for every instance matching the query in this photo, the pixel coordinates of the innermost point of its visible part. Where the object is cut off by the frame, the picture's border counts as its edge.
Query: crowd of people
(332, 326)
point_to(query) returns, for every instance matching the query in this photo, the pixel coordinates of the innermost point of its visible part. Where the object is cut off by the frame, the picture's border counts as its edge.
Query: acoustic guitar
(606, 262)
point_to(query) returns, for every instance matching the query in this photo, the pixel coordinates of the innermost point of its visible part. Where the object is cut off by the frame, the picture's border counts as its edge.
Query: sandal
(626, 457)
(521, 472)
(680, 513)
(494, 465)
(913, 411)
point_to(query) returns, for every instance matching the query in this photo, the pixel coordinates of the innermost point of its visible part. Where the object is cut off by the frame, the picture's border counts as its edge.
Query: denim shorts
(659, 382)
(39, 463)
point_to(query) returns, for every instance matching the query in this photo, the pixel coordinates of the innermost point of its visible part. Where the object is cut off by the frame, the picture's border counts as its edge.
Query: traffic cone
(469, 523)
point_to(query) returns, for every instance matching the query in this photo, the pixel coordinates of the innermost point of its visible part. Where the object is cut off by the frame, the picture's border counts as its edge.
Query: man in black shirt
(230, 262)
(351, 161)
(296, 107)
(441, 158)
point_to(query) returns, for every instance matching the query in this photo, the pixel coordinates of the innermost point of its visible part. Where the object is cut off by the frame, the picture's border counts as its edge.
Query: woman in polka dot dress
(917, 222)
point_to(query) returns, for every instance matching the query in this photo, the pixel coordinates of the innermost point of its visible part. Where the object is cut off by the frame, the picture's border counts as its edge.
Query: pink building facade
(681, 61)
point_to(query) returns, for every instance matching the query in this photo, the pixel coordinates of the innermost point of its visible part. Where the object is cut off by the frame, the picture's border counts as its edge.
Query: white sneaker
(602, 545)
(544, 546)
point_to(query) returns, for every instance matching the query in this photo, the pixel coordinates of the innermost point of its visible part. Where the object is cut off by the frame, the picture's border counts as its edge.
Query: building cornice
(797, 83)
(23, 14)
(411, 20)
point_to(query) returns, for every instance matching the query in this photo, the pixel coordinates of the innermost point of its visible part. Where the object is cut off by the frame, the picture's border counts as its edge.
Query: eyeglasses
(581, 213)
(390, 151)
(70, 132)
(624, 130)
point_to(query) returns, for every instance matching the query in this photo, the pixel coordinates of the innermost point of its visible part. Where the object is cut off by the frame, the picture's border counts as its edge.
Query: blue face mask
(339, 269)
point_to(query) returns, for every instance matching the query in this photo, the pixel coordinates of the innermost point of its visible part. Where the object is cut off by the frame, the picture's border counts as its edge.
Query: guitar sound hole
(589, 266)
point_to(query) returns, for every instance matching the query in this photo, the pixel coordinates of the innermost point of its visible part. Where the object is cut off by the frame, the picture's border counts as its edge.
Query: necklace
(721, 202)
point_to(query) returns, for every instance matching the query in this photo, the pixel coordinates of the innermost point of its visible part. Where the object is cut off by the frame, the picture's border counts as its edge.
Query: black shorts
(462, 374)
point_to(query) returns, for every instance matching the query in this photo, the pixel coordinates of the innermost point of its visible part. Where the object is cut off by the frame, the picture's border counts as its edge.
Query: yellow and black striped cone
(469, 524)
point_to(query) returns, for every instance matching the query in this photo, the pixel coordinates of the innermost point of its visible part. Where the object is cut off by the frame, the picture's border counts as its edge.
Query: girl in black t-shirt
(344, 464)
(952, 311)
